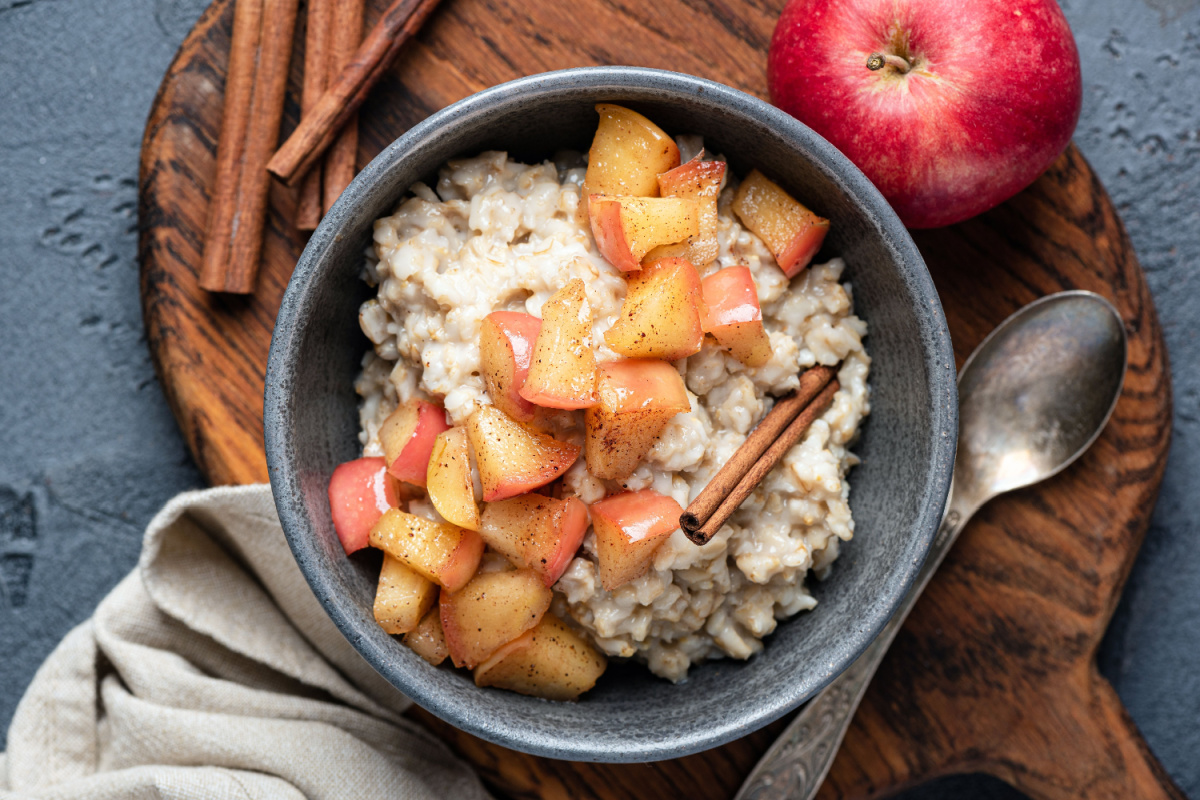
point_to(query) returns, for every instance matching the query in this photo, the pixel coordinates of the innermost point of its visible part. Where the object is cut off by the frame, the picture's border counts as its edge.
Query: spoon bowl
(1036, 393)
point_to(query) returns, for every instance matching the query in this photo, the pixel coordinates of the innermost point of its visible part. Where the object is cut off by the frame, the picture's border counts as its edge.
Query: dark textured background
(89, 451)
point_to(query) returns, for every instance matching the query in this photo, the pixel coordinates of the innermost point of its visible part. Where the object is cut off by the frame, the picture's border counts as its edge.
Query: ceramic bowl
(897, 493)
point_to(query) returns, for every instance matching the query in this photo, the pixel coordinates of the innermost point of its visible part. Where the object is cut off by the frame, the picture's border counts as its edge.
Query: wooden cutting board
(995, 670)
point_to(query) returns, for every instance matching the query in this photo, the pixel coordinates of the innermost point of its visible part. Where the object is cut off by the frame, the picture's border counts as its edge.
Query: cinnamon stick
(341, 160)
(343, 97)
(231, 146)
(729, 500)
(316, 75)
(255, 88)
(812, 381)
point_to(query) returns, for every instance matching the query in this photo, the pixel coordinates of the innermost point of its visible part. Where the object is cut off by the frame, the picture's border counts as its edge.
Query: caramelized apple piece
(638, 397)
(661, 314)
(407, 437)
(359, 492)
(700, 181)
(506, 341)
(550, 661)
(732, 315)
(627, 154)
(513, 458)
(792, 232)
(490, 611)
(402, 597)
(445, 554)
(629, 528)
(562, 372)
(541, 533)
(427, 639)
(627, 228)
(451, 489)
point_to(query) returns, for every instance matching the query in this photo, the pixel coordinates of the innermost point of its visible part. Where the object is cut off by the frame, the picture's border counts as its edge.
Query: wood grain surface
(995, 669)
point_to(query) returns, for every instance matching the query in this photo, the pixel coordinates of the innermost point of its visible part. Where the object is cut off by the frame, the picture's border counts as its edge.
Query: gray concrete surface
(89, 451)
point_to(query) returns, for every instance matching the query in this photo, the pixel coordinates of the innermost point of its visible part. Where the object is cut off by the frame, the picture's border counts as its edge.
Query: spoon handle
(798, 761)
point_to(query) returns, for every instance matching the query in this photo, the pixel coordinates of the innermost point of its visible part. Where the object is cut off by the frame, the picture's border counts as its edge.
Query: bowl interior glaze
(897, 493)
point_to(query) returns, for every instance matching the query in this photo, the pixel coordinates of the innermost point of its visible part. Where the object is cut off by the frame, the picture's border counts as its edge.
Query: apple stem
(877, 61)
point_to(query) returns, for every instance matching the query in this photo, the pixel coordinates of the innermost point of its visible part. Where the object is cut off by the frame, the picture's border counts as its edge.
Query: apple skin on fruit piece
(360, 491)
(506, 342)
(445, 554)
(562, 369)
(427, 639)
(550, 661)
(629, 528)
(536, 532)
(701, 181)
(627, 154)
(791, 232)
(402, 597)
(451, 489)
(407, 437)
(513, 458)
(660, 317)
(733, 316)
(627, 228)
(549, 556)
(491, 610)
(991, 97)
(637, 399)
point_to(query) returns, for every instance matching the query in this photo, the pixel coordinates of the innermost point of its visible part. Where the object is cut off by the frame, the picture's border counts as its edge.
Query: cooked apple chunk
(506, 341)
(541, 533)
(792, 232)
(513, 458)
(733, 316)
(629, 528)
(450, 487)
(359, 492)
(661, 314)
(550, 661)
(627, 154)
(491, 610)
(407, 437)
(562, 370)
(402, 597)
(427, 639)
(701, 181)
(637, 398)
(627, 228)
(445, 554)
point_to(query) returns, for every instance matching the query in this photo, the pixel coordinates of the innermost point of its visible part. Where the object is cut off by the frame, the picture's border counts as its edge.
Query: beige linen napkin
(211, 671)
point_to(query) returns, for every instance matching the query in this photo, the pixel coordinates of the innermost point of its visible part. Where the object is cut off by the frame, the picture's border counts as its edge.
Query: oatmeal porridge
(495, 235)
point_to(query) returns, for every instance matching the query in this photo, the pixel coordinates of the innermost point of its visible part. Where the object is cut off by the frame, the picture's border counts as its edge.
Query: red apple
(407, 436)
(562, 367)
(506, 342)
(359, 492)
(492, 609)
(638, 398)
(514, 458)
(630, 527)
(733, 316)
(949, 107)
(538, 532)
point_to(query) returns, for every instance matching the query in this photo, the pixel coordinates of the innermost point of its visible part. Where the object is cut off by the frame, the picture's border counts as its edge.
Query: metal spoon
(1032, 398)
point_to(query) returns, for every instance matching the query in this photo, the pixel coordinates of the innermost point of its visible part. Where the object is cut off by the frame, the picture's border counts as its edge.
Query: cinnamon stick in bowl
(781, 428)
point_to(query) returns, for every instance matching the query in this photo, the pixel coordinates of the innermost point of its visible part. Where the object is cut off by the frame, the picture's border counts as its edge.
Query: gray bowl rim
(938, 356)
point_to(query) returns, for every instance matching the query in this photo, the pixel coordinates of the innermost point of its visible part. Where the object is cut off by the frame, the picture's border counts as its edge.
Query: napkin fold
(211, 671)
